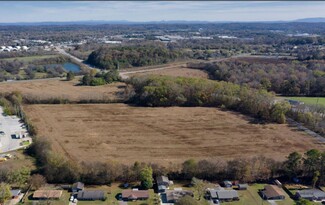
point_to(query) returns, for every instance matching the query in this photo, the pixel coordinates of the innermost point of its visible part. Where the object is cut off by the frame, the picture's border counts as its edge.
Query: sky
(41, 11)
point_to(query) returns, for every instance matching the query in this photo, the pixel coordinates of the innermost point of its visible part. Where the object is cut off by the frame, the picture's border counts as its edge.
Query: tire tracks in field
(50, 127)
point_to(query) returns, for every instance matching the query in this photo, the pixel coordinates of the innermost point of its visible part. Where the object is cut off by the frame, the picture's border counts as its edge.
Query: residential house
(172, 196)
(78, 186)
(223, 194)
(311, 194)
(163, 183)
(47, 194)
(133, 194)
(91, 195)
(272, 192)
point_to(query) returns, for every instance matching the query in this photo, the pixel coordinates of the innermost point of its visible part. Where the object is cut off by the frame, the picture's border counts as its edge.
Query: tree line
(94, 78)
(284, 77)
(308, 167)
(132, 56)
(180, 91)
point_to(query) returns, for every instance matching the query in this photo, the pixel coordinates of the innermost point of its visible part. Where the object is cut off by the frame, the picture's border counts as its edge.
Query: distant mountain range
(311, 20)
(125, 22)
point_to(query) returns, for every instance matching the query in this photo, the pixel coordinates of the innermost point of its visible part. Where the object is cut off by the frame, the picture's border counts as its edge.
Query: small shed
(66, 187)
(242, 186)
(78, 186)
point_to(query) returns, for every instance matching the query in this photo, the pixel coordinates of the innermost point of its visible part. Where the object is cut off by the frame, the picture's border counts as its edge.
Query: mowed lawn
(251, 196)
(123, 133)
(29, 58)
(309, 100)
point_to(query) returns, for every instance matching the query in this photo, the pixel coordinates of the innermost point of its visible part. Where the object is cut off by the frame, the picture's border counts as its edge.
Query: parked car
(71, 198)
(75, 200)
(2, 133)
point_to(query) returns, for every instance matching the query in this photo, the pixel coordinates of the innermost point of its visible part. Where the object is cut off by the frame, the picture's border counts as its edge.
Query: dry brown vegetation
(103, 132)
(59, 88)
(178, 71)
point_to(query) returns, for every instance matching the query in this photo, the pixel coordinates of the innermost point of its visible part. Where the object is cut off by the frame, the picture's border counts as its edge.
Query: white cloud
(154, 10)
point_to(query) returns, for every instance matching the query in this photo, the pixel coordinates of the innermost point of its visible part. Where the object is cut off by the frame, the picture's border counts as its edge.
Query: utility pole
(118, 66)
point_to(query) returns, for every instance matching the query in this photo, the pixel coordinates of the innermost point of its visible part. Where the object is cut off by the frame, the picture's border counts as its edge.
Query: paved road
(124, 74)
(308, 131)
(63, 52)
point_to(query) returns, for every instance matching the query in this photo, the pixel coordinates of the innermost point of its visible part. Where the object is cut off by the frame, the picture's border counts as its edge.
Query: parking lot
(13, 133)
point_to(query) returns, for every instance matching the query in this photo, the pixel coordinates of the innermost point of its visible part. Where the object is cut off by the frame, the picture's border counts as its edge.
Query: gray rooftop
(162, 179)
(310, 193)
(223, 194)
(96, 194)
(78, 185)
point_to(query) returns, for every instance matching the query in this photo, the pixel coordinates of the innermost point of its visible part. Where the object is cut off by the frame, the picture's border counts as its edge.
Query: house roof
(223, 193)
(161, 179)
(93, 194)
(134, 194)
(47, 194)
(311, 193)
(174, 195)
(272, 191)
(78, 185)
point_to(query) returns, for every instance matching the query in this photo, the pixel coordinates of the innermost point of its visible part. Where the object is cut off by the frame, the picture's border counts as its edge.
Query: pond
(71, 67)
(67, 66)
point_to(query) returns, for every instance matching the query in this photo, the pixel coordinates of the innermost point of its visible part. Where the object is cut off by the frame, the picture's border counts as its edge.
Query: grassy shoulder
(309, 100)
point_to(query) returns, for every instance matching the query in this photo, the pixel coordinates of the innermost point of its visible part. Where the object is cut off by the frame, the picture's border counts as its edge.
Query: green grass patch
(25, 143)
(29, 58)
(309, 100)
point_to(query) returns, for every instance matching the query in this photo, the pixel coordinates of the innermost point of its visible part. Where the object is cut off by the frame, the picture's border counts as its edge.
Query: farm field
(162, 135)
(309, 100)
(178, 71)
(59, 88)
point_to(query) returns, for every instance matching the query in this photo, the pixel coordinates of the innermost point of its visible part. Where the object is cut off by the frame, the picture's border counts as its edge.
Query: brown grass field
(118, 132)
(43, 89)
(59, 88)
(178, 71)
